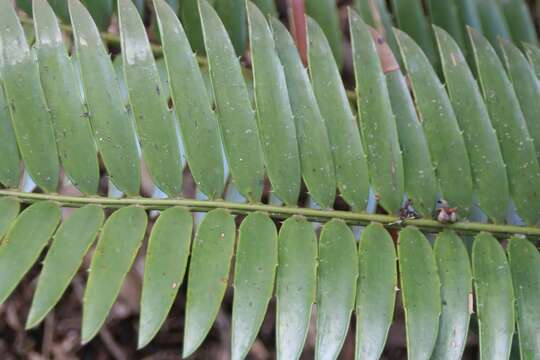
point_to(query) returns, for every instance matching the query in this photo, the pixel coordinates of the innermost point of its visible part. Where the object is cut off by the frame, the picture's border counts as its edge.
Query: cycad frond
(472, 144)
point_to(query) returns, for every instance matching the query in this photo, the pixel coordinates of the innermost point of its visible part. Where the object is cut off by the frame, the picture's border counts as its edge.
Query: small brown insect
(408, 211)
(446, 214)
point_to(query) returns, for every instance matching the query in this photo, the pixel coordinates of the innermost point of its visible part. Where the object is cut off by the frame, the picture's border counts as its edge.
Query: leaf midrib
(278, 212)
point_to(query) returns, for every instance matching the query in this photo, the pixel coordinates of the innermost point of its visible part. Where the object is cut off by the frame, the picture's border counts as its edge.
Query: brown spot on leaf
(388, 60)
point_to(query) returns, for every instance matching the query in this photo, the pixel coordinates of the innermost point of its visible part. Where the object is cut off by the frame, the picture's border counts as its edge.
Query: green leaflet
(445, 14)
(295, 285)
(519, 20)
(233, 15)
(420, 181)
(375, 292)
(175, 5)
(494, 297)
(60, 8)
(10, 167)
(26, 238)
(375, 13)
(101, 11)
(25, 5)
(208, 276)
(255, 268)
(468, 14)
(191, 22)
(76, 146)
(487, 165)
(446, 144)
(493, 23)
(537, 9)
(164, 77)
(315, 153)
(420, 287)
(71, 242)
(26, 102)
(235, 114)
(116, 249)
(155, 126)
(267, 7)
(140, 6)
(376, 119)
(198, 123)
(533, 54)
(208, 84)
(9, 209)
(138, 3)
(113, 129)
(348, 153)
(336, 288)
(274, 116)
(164, 269)
(29, 33)
(454, 270)
(326, 14)
(526, 87)
(525, 267)
(118, 65)
(367, 10)
(507, 118)
(411, 20)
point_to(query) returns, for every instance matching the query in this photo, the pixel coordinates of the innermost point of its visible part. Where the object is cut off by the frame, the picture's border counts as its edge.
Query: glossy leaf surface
(420, 291)
(494, 297)
(487, 165)
(454, 270)
(420, 182)
(9, 209)
(235, 115)
(26, 102)
(295, 285)
(113, 129)
(336, 288)
(155, 126)
(507, 118)
(209, 269)
(346, 145)
(445, 141)
(23, 243)
(115, 251)
(274, 116)
(164, 269)
(254, 272)
(73, 133)
(198, 123)
(377, 121)
(71, 242)
(313, 143)
(375, 291)
(525, 267)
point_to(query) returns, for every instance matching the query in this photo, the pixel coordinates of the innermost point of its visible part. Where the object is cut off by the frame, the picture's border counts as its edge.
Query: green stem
(278, 212)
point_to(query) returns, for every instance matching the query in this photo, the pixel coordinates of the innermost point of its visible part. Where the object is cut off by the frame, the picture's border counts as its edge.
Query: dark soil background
(58, 337)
